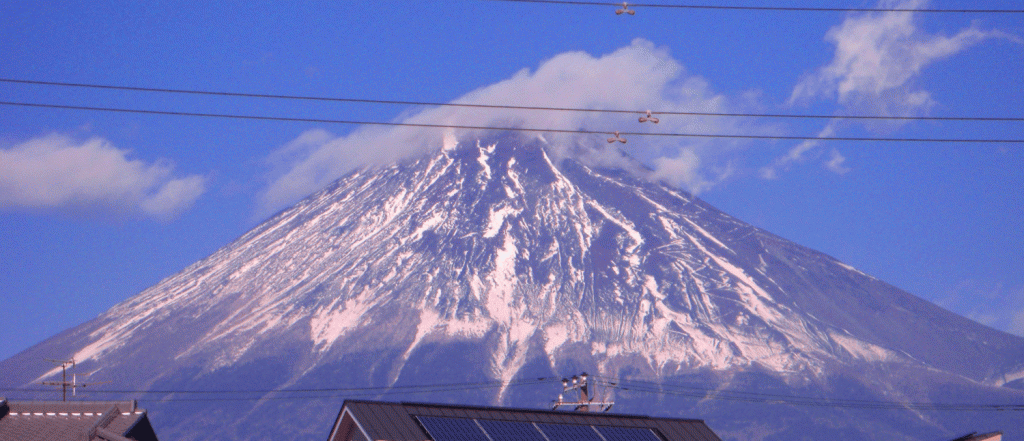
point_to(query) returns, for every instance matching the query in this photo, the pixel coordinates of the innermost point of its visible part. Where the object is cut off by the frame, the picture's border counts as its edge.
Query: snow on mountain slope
(493, 245)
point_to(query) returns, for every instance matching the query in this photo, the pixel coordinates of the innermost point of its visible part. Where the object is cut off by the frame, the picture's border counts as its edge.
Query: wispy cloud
(800, 153)
(57, 171)
(835, 163)
(991, 304)
(640, 76)
(879, 58)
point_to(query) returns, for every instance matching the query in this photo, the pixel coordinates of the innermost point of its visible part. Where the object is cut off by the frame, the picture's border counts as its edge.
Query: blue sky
(97, 206)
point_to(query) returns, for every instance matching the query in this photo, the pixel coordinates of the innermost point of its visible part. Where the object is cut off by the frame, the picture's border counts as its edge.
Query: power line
(493, 106)
(512, 129)
(754, 397)
(415, 388)
(384, 391)
(767, 8)
(322, 393)
(625, 385)
(347, 395)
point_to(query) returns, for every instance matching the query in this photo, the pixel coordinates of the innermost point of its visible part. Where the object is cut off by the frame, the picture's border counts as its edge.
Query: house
(375, 420)
(74, 421)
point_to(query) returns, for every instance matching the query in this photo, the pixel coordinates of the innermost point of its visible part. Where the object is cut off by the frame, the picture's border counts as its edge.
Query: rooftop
(74, 420)
(374, 420)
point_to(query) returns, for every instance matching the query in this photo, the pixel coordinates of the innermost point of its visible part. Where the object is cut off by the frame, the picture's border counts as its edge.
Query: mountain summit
(493, 261)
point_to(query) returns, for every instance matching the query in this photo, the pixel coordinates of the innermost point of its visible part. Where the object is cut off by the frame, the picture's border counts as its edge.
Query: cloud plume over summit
(637, 77)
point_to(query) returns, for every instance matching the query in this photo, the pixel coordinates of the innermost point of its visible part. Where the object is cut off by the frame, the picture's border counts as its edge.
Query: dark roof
(74, 421)
(375, 420)
(993, 436)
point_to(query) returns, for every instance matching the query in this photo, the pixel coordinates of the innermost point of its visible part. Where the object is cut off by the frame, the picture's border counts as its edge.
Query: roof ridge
(521, 409)
(104, 420)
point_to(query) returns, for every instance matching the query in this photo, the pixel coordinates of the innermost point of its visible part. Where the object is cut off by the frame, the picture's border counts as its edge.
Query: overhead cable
(620, 384)
(492, 106)
(303, 394)
(770, 8)
(756, 397)
(367, 389)
(512, 129)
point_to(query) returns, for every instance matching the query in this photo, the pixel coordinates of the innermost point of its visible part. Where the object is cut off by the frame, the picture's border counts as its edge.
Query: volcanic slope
(493, 261)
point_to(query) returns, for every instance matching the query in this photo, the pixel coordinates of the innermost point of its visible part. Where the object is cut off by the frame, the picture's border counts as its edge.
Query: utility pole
(584, 401)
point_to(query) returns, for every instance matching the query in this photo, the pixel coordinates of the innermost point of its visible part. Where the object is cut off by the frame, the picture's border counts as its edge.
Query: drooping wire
(768, 8)
(492, 106)
(513, 129)
(375, 389)
(640, 386)
(289, 394)
(767, 398)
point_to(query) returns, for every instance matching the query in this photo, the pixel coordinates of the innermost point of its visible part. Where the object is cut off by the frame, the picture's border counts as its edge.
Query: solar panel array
(468, 429)
(612, 433)
(569, 432)
(511, 430)
(453, 429)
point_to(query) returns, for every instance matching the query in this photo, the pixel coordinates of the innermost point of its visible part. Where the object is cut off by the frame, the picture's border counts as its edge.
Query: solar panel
(452, 429)
(511, 430)
(468, 429)
(569, 432)
(612, 433)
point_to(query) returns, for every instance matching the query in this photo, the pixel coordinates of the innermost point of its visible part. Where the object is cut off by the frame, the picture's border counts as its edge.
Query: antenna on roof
(584, 403)
(64, 383)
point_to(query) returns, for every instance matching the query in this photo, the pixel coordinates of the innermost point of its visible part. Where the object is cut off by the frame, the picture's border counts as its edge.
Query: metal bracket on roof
(584, 403)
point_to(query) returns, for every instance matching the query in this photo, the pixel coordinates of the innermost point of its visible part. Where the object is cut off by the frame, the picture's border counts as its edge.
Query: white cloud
(877, 60)
(56, 171)
(800, 152)
(836, 162)
(639, 76)
(1016, 325)
(173, 197)
(991, 304)
(685, 171)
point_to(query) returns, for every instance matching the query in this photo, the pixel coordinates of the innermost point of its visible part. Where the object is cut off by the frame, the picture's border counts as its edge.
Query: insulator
(611, 140)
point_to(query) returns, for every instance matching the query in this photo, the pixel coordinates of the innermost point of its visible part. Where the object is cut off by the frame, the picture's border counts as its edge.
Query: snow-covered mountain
(493, 260)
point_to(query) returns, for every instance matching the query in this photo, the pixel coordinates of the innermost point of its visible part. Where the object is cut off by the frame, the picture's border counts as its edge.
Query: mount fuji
(498, 262)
